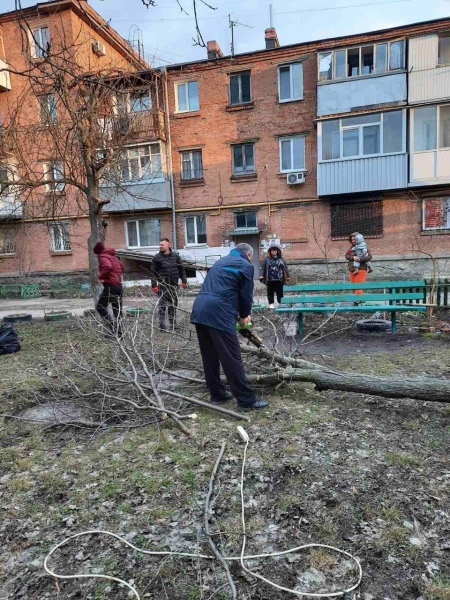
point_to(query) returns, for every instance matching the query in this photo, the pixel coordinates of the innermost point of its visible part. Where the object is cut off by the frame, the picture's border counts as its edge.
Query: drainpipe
(169, 141)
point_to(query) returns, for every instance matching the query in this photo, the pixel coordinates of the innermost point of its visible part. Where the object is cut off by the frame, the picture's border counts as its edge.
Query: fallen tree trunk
(324, 378)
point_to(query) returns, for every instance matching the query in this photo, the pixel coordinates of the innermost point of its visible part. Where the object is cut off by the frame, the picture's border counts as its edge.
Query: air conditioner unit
(99, 48)
(295, 178)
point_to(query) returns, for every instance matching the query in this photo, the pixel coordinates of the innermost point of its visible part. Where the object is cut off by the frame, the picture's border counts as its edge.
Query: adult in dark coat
(167, 270)
(110, 271)
(226, 296)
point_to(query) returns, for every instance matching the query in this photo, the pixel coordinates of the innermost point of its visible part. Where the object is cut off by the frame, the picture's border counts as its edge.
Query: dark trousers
(272, 288)
(222, 348)
(168, 300)
(111, 294)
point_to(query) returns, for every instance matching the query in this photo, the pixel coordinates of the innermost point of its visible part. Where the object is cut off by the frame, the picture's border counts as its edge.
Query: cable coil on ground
(240, 558)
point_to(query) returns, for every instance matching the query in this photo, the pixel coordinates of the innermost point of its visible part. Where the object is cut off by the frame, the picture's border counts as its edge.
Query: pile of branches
(146, 375)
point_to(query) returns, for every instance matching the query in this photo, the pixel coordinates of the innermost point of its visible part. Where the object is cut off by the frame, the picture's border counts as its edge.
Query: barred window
(364, 217)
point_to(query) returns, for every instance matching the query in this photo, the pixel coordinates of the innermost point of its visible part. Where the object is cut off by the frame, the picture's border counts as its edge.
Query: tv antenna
(232, 25)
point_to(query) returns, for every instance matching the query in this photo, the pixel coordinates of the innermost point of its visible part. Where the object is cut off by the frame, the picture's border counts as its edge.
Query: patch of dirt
(368, 475)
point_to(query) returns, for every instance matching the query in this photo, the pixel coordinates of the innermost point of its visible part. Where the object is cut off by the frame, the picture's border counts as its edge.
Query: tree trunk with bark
(324, 378)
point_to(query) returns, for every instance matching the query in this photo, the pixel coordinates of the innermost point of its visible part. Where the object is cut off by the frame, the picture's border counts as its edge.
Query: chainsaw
(246, 331)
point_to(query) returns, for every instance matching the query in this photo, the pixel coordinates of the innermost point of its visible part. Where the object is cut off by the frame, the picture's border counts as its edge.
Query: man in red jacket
(110, 271)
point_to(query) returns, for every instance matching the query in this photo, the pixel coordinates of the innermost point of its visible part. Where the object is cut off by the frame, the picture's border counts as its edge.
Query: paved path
(38, 307)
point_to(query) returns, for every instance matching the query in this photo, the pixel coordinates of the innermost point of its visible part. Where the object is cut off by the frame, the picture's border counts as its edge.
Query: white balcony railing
(362, 175)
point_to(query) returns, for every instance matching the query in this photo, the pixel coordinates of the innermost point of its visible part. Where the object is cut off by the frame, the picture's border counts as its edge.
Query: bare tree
(66, 139)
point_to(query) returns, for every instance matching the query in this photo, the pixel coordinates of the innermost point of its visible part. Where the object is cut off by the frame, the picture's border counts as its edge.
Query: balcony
(5, 78)
(387, 172)
(428, 80)
(149, 125)
(367, 91)
(154, 195)
(10, 207)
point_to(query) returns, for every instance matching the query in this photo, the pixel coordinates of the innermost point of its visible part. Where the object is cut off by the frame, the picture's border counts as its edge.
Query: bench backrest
(373, 285)
(397, 291)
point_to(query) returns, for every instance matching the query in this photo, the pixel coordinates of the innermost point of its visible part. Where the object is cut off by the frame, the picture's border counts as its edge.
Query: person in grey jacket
(274, 274)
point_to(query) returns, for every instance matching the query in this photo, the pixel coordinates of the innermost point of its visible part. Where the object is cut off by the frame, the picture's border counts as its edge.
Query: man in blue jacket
(225, 297)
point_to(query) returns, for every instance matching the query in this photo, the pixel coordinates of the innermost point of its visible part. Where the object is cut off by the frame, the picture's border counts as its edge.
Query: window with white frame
(40, 42)
(140, 101)
(7, 240)
(191, 165)
(195, 230)
(60, 237)
(47, 110)
(243, 158)
(362, 60)
(54, 174)
(435, 213)
(444, 49)
(431, 128)
(240, 88)
(141, 163)
(290, 82)
(292, 154)
(187, 96)
(246, 220)
(364, 135)
(143, 232)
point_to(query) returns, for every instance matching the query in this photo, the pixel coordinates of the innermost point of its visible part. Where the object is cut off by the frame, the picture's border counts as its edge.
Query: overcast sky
(167, 33)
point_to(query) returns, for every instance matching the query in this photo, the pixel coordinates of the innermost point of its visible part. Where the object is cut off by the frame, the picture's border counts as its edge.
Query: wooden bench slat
(375, 285)
(352, 298)
(380, 307)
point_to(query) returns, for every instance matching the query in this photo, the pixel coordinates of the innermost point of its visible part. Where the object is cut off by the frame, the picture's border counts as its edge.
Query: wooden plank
(375, 285)
(351, 298)
(379, 308)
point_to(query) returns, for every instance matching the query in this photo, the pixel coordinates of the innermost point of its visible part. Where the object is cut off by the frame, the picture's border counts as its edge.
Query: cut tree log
(324, 378)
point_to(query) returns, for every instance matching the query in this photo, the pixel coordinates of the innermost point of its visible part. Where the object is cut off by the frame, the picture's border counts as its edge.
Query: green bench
(392, 296)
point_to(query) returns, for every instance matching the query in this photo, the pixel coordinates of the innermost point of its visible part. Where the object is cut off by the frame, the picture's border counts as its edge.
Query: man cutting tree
(226, 296)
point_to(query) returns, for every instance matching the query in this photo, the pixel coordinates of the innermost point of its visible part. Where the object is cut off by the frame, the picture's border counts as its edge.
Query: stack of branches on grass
(147, 376)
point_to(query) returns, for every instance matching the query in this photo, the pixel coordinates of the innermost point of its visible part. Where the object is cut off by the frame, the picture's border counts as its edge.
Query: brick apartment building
(30, 242)
(302, 143)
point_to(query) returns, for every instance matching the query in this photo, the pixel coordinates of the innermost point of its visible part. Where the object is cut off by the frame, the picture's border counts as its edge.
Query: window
(47, 110)
(364, 135)
(381, 53)
(4, 181)
(141, 163)
(435, 213)
(243, 159)
(191, 165)
(431, 128)
(60, 238)
(291, 82)
(292, 154)
(40, 42)
(143, 232)
(362, 216)
(196, 230)
(240, 88)
(187, 96)
(54, 171)
(325, 66)
(140, 101)
(444, 49)
(246, 220)
(444, 126)
(362, 60)
(7, 240)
